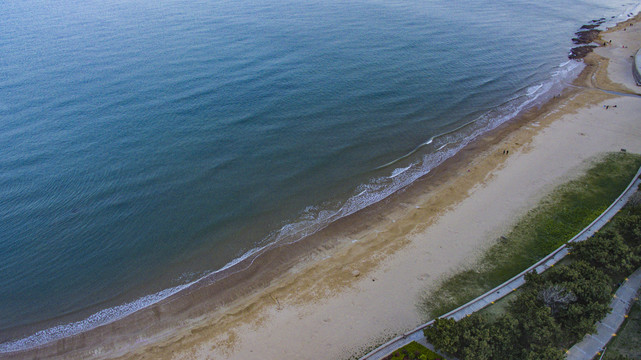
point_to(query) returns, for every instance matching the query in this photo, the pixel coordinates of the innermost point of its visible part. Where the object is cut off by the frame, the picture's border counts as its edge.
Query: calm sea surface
(144, 144)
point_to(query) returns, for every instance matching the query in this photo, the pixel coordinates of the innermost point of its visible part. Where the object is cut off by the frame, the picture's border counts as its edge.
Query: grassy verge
(561, 214)
(414, 351)
(555, 309)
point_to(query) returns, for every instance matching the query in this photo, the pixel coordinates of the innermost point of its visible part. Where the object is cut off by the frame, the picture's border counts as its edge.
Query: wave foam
(102, 317)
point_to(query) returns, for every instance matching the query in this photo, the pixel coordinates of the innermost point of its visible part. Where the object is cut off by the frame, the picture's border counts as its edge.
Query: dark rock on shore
(588, 32)
(586, 36)
(580, 52)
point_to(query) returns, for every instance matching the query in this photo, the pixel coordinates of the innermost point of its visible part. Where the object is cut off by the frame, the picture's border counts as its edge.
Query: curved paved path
(593, 344)
(510, 285)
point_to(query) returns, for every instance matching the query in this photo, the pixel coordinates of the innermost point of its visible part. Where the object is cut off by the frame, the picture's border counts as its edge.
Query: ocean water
(145, 144)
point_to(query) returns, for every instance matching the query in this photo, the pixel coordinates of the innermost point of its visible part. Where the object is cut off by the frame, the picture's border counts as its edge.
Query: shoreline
(363, 240)
(92, 320)
(462, 136)
(226, 278)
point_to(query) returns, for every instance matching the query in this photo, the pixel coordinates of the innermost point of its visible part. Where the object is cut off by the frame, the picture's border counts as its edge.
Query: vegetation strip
(562, 214)
(415, 335)
(414, 351)
(553, 310)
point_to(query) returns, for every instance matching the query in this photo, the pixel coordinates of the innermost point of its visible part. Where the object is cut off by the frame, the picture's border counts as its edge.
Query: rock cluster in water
(586, 35)
(580, 52)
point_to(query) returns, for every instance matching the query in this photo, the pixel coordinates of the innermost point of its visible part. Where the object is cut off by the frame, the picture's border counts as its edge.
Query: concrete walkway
(593, 344)
(512, 284)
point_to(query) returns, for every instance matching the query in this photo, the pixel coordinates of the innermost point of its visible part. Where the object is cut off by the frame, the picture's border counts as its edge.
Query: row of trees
(555, 309)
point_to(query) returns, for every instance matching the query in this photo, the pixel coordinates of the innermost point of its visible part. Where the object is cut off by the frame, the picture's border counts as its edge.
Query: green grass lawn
(559, 216)
(414, 351)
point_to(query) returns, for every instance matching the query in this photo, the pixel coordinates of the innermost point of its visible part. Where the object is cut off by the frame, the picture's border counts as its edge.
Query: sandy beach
(360, 281)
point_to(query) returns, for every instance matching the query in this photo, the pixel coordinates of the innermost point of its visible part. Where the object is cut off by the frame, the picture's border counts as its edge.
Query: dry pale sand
(341, 299)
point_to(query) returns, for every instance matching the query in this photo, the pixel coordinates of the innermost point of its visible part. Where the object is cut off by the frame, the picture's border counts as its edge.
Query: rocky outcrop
(589, 27)
(580, 52)
(587, 34)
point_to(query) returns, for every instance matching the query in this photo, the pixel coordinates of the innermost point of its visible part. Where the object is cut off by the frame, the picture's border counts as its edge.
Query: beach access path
(593, 344)
(512, 284)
